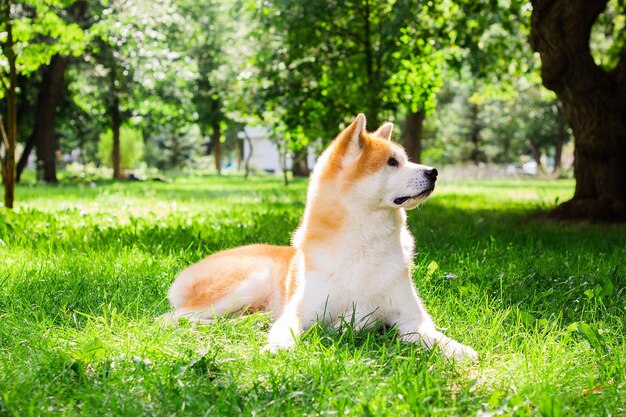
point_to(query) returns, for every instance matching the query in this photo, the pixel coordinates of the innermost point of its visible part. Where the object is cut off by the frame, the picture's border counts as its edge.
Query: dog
(350, 257)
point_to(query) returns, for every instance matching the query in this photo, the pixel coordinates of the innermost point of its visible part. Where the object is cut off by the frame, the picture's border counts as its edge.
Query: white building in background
(265, 155)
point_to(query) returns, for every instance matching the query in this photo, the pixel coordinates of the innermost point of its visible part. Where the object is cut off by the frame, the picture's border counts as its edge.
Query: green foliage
(97, 262)
(170, 149)
(131, 148)
(301, 68)
(608, 36)
(505, 125)
(207, 50)
(322, 62)
(489, 37)
(39, 33)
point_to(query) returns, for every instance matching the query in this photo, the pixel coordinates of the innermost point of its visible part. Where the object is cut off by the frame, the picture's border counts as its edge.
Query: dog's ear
(384, 132)
(359, 129)
(352, 136)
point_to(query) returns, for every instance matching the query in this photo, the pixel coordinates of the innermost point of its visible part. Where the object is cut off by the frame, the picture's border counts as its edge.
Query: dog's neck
(327, 218)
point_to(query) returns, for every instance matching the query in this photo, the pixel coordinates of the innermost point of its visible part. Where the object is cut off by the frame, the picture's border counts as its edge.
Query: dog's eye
(392, 162)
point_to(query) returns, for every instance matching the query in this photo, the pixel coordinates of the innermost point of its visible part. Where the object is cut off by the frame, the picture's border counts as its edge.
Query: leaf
(94, 349)
(592, 335)
(527, 318)
(432, 267)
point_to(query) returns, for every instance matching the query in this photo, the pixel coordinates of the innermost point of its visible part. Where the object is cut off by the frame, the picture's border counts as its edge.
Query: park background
(126, 136)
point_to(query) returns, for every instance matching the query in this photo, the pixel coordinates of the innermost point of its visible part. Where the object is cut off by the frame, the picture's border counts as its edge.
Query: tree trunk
(247, 161)
(283, 163)
(239, 153)
(476, 155)
(9, 136)
(537, 156)
(217, 146)
(412, 135)
(43, 129)
(594, 102)
(373, 106)
(536, 153)
(209, 145)
(300, 166)
(560, 140)
(116, 123)
(28, 148)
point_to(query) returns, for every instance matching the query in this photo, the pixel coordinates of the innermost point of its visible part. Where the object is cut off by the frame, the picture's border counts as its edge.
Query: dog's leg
(193, 315)
(285, 331)
(416, 326)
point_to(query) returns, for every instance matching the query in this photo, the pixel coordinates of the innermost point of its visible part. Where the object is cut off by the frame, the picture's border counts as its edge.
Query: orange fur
(338, 150)
(220, 273)
(329, 219)
(288, 283)
(376, 153)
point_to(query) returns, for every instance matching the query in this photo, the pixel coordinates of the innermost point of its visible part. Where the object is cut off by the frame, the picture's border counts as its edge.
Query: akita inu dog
(350, 257)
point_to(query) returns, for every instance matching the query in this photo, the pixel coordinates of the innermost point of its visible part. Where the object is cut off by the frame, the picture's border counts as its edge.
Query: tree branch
(5, 138)
(4, 85)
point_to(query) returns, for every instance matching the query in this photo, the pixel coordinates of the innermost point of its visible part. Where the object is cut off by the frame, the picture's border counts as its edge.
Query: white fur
(366, 269)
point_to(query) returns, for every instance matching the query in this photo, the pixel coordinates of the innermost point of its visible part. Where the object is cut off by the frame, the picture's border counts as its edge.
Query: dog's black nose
(431, 173)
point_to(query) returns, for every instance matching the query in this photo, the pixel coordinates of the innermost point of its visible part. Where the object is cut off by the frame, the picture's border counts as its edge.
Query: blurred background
(137, 89)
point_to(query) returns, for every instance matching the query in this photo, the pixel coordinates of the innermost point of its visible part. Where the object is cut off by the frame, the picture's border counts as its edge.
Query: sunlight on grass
(85, 270)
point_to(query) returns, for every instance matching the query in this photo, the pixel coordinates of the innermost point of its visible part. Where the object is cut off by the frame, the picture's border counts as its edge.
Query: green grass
(84, 271)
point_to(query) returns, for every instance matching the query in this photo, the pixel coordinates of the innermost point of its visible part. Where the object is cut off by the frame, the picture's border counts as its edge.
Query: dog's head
(373, 172)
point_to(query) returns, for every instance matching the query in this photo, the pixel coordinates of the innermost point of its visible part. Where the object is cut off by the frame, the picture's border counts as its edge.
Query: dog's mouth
(401, 200)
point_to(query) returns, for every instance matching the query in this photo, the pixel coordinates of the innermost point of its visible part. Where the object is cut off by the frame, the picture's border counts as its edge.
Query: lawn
(84, 270)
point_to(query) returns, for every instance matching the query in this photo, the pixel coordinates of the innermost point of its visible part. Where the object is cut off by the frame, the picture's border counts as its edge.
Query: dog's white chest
(351, 279)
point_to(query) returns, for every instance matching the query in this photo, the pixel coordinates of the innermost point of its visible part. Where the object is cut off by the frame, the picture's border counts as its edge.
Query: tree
(211, 37)
(323, 61)
(131, 74)
(593, 98)
(43, 133)
(43, 126)
(9, 135)
(31, 33)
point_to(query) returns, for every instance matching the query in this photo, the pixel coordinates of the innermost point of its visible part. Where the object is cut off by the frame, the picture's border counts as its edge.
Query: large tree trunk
(412, 135)
(560, 140)
(43, 129)
(300, 166)
(217, 146)
(594, 102)
(9, 135)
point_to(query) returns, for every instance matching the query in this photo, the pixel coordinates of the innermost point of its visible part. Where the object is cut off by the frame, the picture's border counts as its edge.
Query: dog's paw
(460, 352)
(274, 348)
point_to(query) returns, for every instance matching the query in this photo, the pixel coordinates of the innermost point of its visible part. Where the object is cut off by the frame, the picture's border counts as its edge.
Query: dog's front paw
(460, 352)
(276, 347)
